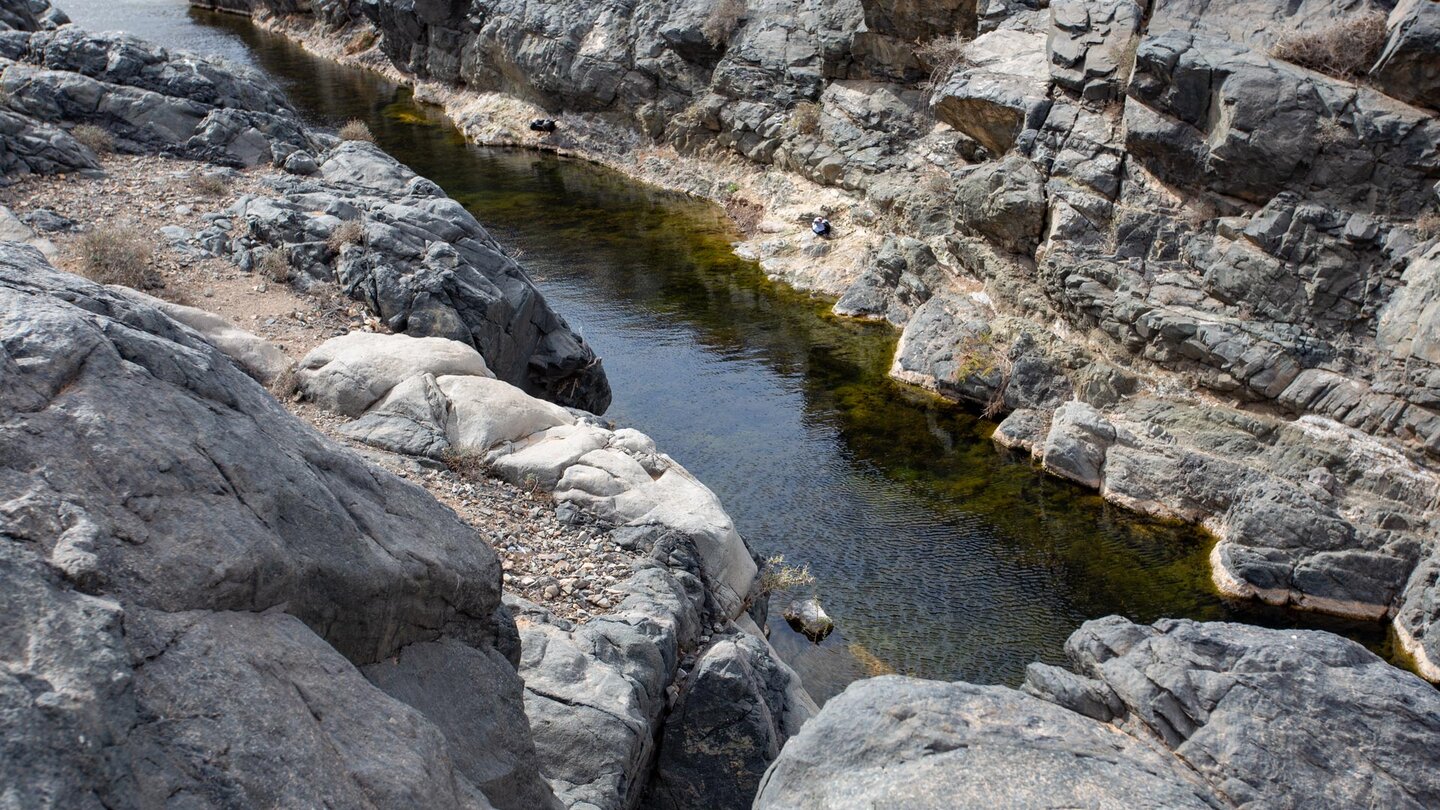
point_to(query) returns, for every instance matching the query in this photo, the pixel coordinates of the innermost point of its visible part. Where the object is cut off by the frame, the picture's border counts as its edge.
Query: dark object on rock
(542, 125)
(821, 226)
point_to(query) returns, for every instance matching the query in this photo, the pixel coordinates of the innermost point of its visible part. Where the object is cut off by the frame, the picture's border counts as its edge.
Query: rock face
(178, 548)
(1242, 717)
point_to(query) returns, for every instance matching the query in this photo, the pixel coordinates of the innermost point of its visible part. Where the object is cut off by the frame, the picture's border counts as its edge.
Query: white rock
(348, 374)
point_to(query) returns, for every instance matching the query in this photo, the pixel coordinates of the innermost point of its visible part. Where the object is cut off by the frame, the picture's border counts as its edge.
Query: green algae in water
(936, 554)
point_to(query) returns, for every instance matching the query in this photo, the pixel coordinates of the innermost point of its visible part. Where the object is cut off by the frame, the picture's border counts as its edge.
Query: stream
(936, 554)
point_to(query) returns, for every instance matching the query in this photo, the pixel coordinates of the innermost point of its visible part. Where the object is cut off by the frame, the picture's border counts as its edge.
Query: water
(936, 555)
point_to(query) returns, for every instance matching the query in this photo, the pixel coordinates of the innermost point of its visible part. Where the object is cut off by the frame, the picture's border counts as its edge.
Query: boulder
(1272, 717)
(1076, 445)
(739, 706)
(201, 579)
(808, 617)
(1257, 23)
(1409, 67)
(258, 357)
(1000, 91)
(1004, 201)
(903, 742)
(348, 374)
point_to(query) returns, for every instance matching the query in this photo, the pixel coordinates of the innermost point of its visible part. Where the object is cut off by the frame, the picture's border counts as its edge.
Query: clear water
(935, 554)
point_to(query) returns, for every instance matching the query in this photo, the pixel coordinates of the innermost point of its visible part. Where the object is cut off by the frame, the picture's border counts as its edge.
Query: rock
(301, 162)
(1267, 140)
(1092, 698)
(1003, 201)
(348, 374)
(900, 276)
(808, 618)
(1409, 67)
(28, 146)
(1076, 445)
(253, 565)
(894, 741)
(424, 266)
(948, 347)
(31, 15)
(1090, 45)
(1256, 23)
(1023, 429)
(739, 706)
(258, 357)
(999, 91)
(1240, 704)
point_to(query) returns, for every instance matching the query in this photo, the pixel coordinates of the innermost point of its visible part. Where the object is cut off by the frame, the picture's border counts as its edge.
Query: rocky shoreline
(223, 594)
(1041, 230)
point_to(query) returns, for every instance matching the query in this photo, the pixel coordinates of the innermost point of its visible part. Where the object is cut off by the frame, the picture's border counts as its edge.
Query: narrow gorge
(375, 469)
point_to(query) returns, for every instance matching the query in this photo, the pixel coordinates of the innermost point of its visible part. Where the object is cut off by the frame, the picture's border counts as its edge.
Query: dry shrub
(349, 232)
(942, 55)
(94, 138)
(1427, 225)
(286, 385)
(725, 17)
(209, 185)
(356, 130)
(466, 464)
(777, 576)
(1329, 132)
(805, 118)
(746, 214)
(360, 42)
(1345, 49)
(275, 266)
(118, 255)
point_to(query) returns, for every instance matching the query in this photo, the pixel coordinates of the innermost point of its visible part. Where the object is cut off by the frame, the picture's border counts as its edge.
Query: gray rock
(1003, 201)
(252, 564)
(738, 708)
(1087, 696)
(1257, 23)
(902, 742)
(1409, 67)
(1001, 88)
(1273, 717)
(808, 617)
(28, 146)
(1076, 445)
(301, 162)
(1091, 43)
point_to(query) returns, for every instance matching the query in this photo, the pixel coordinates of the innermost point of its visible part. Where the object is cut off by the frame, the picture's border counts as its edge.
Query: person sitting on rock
(821, 226)
(542, 125)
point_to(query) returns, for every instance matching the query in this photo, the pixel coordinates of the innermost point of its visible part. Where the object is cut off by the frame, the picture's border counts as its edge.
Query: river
(936, 554)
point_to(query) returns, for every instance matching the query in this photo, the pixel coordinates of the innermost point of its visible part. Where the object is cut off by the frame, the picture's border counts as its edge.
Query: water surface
(936, 555)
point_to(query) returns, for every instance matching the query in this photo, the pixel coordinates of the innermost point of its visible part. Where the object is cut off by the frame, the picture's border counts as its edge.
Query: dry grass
(349, 232)
(286, 386)
(94, 138)
(468, 464)
(777, 576)
(360, 42)
(118, 255)
(275, 266)
(1345, 49)
(356, 130)
(943, 56)
(209, 185)
(1427, 225)
(805, 118)
(724, 19)
(746, 214)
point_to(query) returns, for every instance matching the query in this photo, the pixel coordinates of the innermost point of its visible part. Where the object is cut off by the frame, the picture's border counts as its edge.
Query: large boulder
(999, 91)
(902, 742)
(196, 579)
(1409, 67)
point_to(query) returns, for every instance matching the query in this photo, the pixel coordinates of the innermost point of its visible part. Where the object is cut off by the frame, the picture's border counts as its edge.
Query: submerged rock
(807, 617)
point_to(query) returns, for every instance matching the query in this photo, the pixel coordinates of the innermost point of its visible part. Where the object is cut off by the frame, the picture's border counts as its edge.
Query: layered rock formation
(1096, 200)
(1178, 714)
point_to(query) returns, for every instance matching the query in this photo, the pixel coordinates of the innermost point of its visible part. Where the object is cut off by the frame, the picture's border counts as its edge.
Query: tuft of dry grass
(286, 386)
(118, 255)
(724, 19)
(349, 232)
(468, 465)
(96, 139)
(356, 130)
(1427, 225)
(805, 118)
(776, 575)
(943, 56)
(275, 266)
(1345, 49)
(209, 185)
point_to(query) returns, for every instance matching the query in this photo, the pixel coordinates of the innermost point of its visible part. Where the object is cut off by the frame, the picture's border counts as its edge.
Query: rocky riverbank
(1069, 209)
